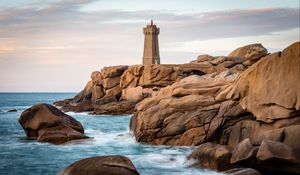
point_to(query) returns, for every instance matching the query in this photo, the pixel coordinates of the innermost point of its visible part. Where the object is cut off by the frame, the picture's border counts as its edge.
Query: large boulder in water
(101, 165)
(46, 123)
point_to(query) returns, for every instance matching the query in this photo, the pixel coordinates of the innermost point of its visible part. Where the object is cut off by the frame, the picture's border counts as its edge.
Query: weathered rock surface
(46, 123)
(249, 52)
(243, 110)
(115, 108)
(213, 156)
(101, 165)
(244, 103)
(242, 171)
(243, 152)
(271, 89)
(270, 157)
(127, 85)
(185, 113)
(237, 61)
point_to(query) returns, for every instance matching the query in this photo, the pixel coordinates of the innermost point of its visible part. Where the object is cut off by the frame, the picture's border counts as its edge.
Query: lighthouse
(151, 48)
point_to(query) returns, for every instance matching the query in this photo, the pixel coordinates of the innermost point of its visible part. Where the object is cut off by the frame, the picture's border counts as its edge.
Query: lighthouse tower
(151, 48)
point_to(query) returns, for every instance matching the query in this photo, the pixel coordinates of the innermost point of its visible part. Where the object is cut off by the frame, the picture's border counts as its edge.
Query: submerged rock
(12, 110)
(46, 123)
(101, 165)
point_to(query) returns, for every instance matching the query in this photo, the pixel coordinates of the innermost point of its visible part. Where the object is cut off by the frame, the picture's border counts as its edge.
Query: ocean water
(111, 136)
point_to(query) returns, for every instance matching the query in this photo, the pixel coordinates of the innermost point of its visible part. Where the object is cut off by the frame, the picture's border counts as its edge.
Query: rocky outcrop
(158, 75)
(46, 123)
(115, 108)
(247, 111)
(267, 142)
(237, 61)
(185, 113)
(192, 111)
(101, 165)
(246, 104)
(116, 89)
(270, 157)
(271, 89)
(132, 84)
(249, 52)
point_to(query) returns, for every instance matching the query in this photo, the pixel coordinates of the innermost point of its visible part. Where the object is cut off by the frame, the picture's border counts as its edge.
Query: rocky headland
(239, 111)
(244, 118)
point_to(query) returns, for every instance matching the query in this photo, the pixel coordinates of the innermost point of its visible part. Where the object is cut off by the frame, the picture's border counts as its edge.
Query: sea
(110, 136)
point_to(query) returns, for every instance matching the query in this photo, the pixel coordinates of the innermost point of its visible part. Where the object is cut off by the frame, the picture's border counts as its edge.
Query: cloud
(61, 17)
(6, 49)
(60, 41)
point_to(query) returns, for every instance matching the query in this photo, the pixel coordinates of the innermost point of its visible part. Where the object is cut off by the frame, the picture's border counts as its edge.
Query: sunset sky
(54, 45)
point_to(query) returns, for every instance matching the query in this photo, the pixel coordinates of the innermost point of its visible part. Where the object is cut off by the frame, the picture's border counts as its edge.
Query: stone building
(151, 48)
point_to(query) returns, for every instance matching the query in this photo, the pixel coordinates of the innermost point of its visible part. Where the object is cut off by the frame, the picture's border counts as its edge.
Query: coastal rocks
(63, 102)
(242, 171)
(84, 95)
(119, 82)
(243, 152)
(101, 165)
(82, 106)
(107, 82)
(185, 113)
(270, 157)
(127, 86)
(12, 110)
(235, 131)
(103, 85)
(270, 89)
(115, 108)
(252, 111)
(48, 124)
(158, 75)
(249, 52)
(212, 156)
(237, 61)
(137, 94)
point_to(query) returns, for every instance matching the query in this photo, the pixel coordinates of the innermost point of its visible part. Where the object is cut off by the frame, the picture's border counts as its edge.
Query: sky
(54, 45)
